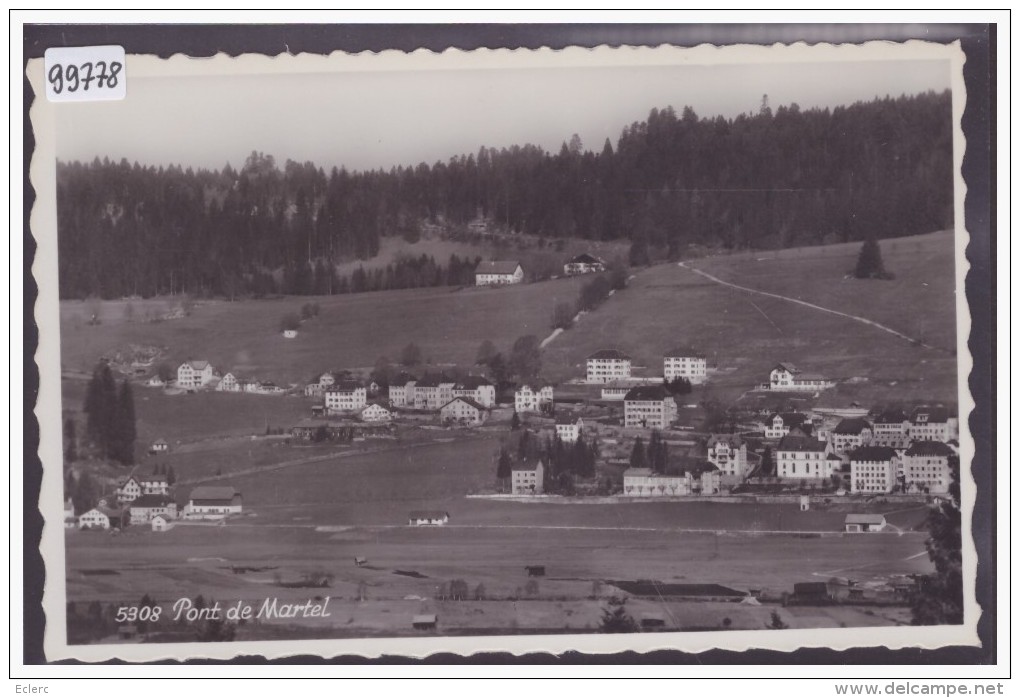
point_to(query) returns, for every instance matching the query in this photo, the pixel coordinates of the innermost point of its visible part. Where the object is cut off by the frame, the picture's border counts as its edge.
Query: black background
(979, 44)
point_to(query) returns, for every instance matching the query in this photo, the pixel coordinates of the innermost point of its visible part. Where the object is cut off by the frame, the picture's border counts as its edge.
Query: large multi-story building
(926, 467)
(891, 428)
(684, 362)
(528, 400)
(608, 365)
(728, 453)
(194, 374)
(479, 389)
(779, 425)
(401, 390)
(527, 478)
(463, 410)
(932, 424)
(432, 392)
(649, 407)
(345, 396)
(805, 458)
(850, 434)
(873, 469)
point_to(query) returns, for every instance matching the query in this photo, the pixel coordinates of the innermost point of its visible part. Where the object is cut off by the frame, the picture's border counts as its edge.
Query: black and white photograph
(592, 349)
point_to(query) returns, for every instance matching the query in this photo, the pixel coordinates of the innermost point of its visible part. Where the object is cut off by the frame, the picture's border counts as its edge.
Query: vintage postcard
(528, 351)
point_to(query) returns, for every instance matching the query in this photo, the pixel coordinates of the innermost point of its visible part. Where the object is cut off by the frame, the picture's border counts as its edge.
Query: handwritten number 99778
(80, 77)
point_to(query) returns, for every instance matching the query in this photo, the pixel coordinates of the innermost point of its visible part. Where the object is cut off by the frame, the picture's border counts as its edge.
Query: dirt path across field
(863, 320)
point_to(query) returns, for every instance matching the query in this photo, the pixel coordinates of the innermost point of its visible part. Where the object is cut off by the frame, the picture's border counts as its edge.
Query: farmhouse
(728, 453)
(159, 446)
(608, 365)
(155, 382)
(684, 362)
(498, 273)
(194, 374)
(479, 389)
(779, 425)
(528, 400)
(643, 482)
(212, 502)
(428, 518)
(319, 430)
(229, 384)
(527, 478)
(375, 413)
(424, 621)
(143, 509)
(615, 391)
(864, 523)
(803, 457)
(463, 410)
(583, 264)
(101, 517)
(926, 467)
(850, 434)
(432, 392)
(873, 469)
(891, 428)
(290, 334)
(568, 428)
(649, 407)
(268, 388)
(788, 378)
(345, 396)
(932, 424)
(137, 485)
(401, 390)
(161, 523)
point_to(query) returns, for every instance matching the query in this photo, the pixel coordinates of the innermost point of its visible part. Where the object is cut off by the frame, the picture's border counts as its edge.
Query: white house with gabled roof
(499, 273)
(345, 396)
(194, 374)
(786, 377)
(686, 363)
(528, 400)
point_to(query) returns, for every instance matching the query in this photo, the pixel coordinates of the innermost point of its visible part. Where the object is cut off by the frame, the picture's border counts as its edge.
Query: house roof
(935, 414)
(865, 519)
(465, 400)
(809, 377)
(424, 618)
(197, 365)
(873, 453)
(377, 406)
(684, 352)
(345, 386)
(609, 354)
(497, 267)
(224, 492)
(428, 514)
(891, 417)
(148, 501)
(854, 425)
(929, 448)
(732, 439)
(790, 419)
(585, 258)
(638, 472)
(402, 378)
(787, 366)
(568, 419)
(528, 466)
(797, 442)
(472, 383)
(646, 392)
(150, 478)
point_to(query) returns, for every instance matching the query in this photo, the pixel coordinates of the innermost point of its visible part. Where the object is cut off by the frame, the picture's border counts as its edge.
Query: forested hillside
(769, 180)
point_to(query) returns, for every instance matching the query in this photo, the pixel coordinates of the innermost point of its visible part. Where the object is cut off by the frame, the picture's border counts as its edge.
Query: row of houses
(507, 272)
(613, 366)
(435, 392)
(158, 510)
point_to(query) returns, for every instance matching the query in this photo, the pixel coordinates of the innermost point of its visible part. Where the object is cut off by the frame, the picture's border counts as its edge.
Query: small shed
(428, 518)
(424, 621)
(535, 570)
(290, 334)
(864, 523)
(159, 446)
(360, 561)
(161, 523)
(805, 502)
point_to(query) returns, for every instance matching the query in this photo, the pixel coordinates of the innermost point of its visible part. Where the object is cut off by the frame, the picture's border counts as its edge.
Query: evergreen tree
(171, 476)
(615, 618)
(526, 358)
(122, 443)
(768, 467)
(939, 598)
(486, 353)
(101, 409)
(638, 457)
(515, 422)
(869, 261)
(504, 467)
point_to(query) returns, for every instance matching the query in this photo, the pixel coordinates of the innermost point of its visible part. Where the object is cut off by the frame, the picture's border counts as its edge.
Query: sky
(368, 120)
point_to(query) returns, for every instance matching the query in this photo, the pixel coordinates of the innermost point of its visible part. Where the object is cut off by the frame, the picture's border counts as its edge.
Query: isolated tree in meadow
(615, 618)
(486, 353)
(526, 358)
(480, 592)
(563, 317)
(290, 321)
(165, 371)
(776, 622)
(869, 261)
(638, 456)
(515, 422)
(939, 598)
(410, 355)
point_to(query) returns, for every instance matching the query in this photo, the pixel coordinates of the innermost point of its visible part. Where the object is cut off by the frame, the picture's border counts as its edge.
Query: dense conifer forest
(774, 179)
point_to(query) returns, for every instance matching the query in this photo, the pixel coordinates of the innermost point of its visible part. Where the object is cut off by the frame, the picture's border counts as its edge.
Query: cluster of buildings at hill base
(149, 500)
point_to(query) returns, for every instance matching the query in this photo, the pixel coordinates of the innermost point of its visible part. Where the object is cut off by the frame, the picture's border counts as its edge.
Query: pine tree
(638, 457)
(503, 465)
(100, 408)
(171, 476)
(869, 261)
(124, 433)
(515, 422)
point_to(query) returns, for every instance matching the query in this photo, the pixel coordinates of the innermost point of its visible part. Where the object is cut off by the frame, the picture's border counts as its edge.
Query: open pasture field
(405, 562)
(351, 331)
(745, 335)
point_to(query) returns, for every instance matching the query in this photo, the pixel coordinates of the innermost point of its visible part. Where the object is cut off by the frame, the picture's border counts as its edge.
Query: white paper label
(85, 73)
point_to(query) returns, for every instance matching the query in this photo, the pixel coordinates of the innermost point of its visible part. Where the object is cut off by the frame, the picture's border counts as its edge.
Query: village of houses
(852, 452)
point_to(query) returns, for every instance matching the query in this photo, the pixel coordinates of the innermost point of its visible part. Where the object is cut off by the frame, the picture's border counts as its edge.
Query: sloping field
(351, 331)
(745, 335)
